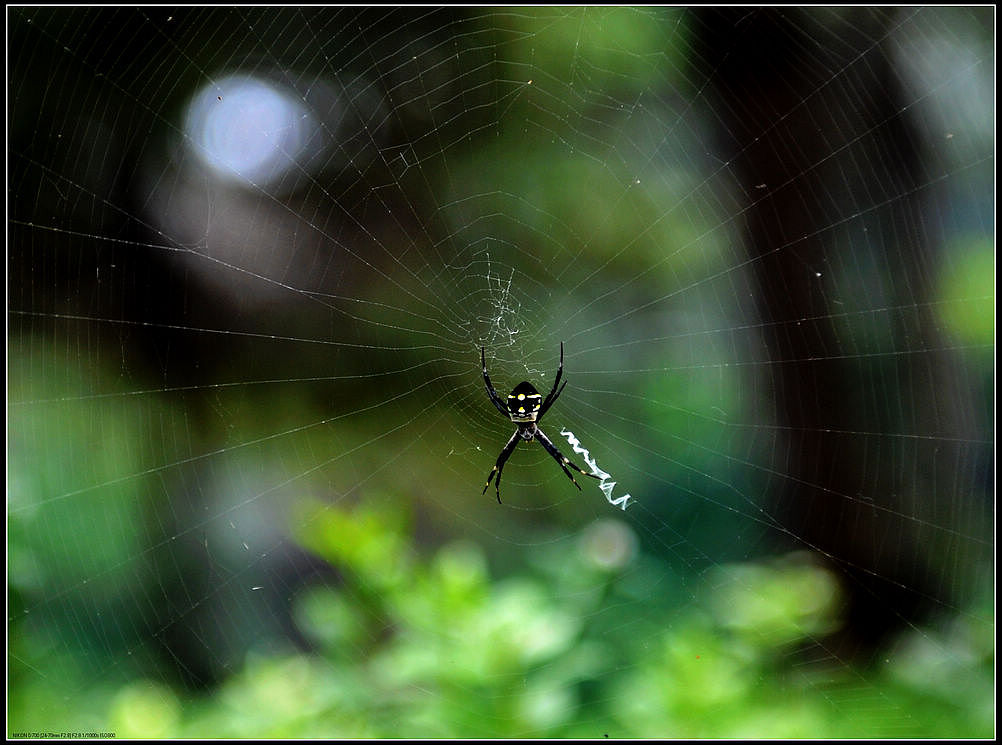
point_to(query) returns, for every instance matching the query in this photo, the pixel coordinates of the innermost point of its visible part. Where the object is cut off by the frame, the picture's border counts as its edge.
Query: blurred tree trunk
(811, 119)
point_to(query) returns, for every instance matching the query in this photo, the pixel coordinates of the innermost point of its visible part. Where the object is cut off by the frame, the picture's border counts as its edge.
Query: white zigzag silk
(605, 485)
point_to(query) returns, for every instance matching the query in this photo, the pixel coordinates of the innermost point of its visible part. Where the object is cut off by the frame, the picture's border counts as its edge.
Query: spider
(526, 408)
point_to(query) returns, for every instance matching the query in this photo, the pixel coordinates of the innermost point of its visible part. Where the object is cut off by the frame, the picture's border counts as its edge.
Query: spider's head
(524, 402)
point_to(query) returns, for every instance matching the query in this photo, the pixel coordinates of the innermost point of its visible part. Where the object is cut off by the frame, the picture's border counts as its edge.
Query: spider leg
(493, 394)
(502, 459)
(552, 396)
(560, 458)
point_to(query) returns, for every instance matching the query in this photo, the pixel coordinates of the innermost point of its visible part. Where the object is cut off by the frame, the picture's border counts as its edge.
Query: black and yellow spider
(526, 408)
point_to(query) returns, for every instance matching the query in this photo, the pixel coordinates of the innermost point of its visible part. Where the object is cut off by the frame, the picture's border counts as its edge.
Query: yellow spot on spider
(521, 409)
(521, 396)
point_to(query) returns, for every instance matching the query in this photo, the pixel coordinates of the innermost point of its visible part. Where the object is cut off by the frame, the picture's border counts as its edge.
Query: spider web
(253, 255)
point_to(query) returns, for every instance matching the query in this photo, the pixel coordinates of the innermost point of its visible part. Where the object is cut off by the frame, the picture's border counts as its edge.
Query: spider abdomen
(524, 402)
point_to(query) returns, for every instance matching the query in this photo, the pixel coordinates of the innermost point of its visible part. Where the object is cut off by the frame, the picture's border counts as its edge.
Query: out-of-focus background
(253, 255)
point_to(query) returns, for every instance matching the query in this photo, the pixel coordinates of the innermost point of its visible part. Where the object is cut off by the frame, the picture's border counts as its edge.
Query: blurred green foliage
(614, 47)
(967, 292)
(408, 645)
